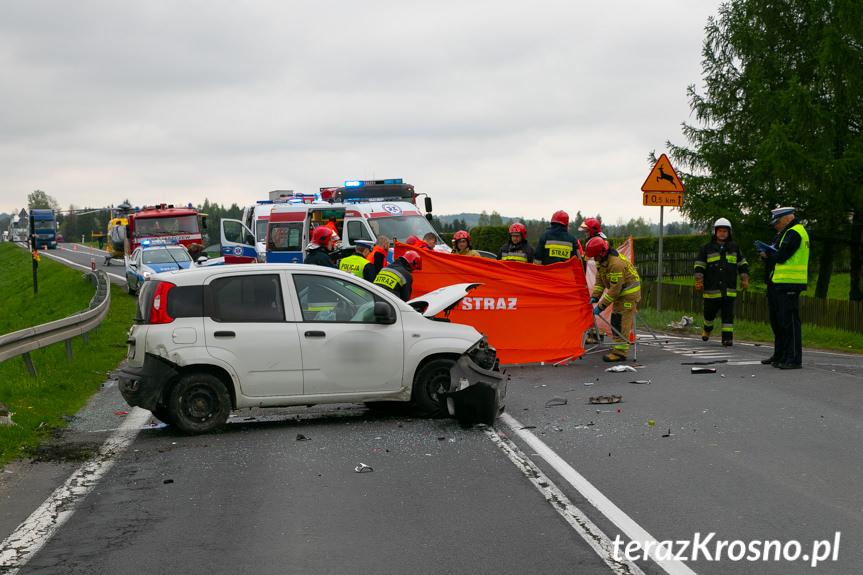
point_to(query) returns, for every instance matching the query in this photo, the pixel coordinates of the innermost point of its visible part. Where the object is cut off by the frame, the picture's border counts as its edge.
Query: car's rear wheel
(428, 381)
(161, 413)
(199, 403)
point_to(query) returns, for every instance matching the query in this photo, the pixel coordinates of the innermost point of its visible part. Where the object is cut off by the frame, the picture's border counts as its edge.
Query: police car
(213, 339)
(154, 257)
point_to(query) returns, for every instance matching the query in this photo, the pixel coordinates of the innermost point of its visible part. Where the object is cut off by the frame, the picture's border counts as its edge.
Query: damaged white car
(210, 340)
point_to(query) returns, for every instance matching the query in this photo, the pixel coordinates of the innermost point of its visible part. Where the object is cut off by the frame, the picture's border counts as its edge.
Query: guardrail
(81, 323)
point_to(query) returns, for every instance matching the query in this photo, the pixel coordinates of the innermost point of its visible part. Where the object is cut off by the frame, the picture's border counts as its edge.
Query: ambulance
(359, 210)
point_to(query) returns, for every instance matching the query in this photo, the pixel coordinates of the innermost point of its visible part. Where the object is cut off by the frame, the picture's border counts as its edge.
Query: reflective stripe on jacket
(794, 270)
(618, 278)
(718, 265)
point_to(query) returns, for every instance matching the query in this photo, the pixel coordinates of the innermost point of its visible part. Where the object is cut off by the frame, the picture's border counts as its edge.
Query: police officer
(357, 263)
(516, 249)
(322, 243)
(787, 266)
(398, 276)
(717, 265)
(619, 279)
(556, 244)
(461, 244)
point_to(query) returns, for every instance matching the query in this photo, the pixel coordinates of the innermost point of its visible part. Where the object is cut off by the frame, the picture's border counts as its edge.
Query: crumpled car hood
(441, 299)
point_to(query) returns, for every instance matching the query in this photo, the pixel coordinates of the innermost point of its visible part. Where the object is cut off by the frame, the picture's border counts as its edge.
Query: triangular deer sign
(662, 178)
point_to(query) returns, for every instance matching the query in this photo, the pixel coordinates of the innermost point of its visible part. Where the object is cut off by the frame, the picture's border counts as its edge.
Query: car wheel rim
(199, 403)
(439, 378)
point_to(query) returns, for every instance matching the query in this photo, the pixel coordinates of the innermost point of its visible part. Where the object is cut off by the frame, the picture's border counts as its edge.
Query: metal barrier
(81, 323)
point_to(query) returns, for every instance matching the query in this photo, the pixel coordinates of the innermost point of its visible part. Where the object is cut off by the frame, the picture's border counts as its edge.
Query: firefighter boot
(727, 340)
(592, 337)
(705, 335)
(614, 356)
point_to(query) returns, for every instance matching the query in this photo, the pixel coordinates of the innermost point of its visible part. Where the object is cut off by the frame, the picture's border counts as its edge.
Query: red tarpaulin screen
(530, 313)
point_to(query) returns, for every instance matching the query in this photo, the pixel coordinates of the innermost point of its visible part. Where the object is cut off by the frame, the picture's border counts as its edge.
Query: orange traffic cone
(74, 247)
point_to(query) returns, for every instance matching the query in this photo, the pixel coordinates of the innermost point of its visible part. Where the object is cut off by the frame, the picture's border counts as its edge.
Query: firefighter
(718, 263)
(358, 263)
(619, 279)
(417, 243)
(398, 276)
(461, 244)
(591, 228)
(556, 244)
(430, 239)
(378, 255)
(322, 243)
(516, 249)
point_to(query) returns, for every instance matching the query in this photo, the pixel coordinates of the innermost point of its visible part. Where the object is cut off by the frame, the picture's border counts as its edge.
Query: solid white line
(76, 264)
(593, 535)
(38, 529)
(602, 503)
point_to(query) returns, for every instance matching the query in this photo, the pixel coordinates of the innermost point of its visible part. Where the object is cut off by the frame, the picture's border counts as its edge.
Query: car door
(245, 326)
(133, 269)
(345, 350)
(238, 243)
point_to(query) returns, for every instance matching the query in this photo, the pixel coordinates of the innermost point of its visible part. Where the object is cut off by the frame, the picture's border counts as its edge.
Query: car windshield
(401, 227)
(167, 225)
(165, 255)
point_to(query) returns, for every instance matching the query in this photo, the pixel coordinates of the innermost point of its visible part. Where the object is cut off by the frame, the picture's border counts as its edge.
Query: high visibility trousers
(725, 306)
(622, 314)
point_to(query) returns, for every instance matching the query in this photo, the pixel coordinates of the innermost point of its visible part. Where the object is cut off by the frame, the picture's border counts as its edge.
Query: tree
(495, 219)
(782, 116)
(39, 200)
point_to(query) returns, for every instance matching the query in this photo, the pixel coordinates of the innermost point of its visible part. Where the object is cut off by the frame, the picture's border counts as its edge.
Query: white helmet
(721, 223)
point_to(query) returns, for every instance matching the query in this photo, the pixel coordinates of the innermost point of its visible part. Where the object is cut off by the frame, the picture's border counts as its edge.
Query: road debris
(301, 437)
(703, 370)
(704, 362)
(363, 468)
(685, 321)
(620, 368)
(606, 399)
(555, 401)
(641, 381)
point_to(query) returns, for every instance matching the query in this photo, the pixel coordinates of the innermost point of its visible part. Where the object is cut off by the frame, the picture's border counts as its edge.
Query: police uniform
(555, 245)
(359, 266)
(520, 252)
(718, 265)
(619, 279)
(787, 277)
(397, 278)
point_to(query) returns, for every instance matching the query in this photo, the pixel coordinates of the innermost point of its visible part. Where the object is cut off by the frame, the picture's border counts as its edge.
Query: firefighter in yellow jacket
(618, 278)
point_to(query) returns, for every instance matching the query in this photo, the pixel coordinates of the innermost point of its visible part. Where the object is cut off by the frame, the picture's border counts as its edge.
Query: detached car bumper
(477, 387)
(144, 386)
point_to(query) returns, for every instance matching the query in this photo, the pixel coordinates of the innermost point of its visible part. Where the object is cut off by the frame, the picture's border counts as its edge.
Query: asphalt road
(748, 457)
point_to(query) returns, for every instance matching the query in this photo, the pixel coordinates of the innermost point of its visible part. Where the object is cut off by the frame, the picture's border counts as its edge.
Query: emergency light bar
(358, 183)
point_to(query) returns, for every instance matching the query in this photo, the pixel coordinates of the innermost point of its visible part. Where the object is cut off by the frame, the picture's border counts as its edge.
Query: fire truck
(163, 222)
(360, 210)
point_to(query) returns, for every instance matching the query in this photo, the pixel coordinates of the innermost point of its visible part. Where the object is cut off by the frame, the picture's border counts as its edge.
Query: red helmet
(518, 229)
(560, 217)
(413, 259)
(322, 235)
(591, 227)
(461, 235)
(596, 246)
(412, 240)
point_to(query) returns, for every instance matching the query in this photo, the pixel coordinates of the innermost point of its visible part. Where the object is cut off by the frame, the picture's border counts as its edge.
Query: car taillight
(159, 307)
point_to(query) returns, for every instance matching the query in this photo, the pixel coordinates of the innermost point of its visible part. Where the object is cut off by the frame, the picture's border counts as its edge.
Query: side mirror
(133, 264)
(384, 313)
(428, 204)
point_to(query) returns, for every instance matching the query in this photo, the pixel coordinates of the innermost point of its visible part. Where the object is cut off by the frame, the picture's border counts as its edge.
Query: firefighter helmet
(591, 227)
(413, 259)
(560, 217)
(412, 240)
(322, 236)
(460, 235)
(721, 223)
(518, 229)
(596, 246)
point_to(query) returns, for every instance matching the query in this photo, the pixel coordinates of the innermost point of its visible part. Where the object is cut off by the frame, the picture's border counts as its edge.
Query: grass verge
(42, 404)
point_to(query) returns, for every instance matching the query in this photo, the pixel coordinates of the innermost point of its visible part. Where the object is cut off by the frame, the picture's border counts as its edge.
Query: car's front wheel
(199, 403)
(428, 381)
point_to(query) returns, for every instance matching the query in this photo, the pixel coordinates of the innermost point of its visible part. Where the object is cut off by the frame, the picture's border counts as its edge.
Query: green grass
(61, 388)
(840, 285)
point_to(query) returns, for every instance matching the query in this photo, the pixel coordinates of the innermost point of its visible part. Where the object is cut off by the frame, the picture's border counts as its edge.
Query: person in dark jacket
(787, 263)
(320, 246)
(516, 249)
(398, 276)
(556, 244)
(717, 266)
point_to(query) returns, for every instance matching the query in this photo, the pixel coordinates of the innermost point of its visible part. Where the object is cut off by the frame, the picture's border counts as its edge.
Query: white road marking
(77, 265)
(38, 529)
(602, 503)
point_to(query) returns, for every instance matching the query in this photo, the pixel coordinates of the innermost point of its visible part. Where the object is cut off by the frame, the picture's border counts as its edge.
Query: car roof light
(358, 183)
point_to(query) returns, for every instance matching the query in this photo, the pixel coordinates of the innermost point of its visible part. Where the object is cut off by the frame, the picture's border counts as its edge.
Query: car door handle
(224, 334)
(316, 334)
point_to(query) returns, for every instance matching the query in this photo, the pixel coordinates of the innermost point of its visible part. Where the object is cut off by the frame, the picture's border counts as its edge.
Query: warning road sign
(662, 178)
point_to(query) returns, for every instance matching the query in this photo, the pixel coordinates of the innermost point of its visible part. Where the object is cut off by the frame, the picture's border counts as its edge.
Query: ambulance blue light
(353, 184)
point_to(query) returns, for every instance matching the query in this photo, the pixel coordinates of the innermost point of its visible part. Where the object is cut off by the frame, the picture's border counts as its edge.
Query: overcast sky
(520, 107)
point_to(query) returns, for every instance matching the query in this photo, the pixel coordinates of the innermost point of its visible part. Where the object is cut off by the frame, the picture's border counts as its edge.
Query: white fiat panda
(209, 340)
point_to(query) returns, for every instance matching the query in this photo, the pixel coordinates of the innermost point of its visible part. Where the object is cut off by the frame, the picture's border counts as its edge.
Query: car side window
(245, 298)
(358, 231)
(329, 299)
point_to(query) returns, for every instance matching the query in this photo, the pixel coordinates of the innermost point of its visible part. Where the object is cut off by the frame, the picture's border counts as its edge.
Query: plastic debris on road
(301, 437)
(703, 370)
(555, 401)
(647, 381)
(620, 368)
(363, 468)
(606, 399)
(685, 321)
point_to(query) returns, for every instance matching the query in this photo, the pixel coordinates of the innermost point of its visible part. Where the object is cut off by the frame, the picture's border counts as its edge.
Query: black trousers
(725, 305)
(784, 307)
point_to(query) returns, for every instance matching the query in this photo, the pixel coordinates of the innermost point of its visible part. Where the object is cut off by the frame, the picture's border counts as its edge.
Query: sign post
(662, 188)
